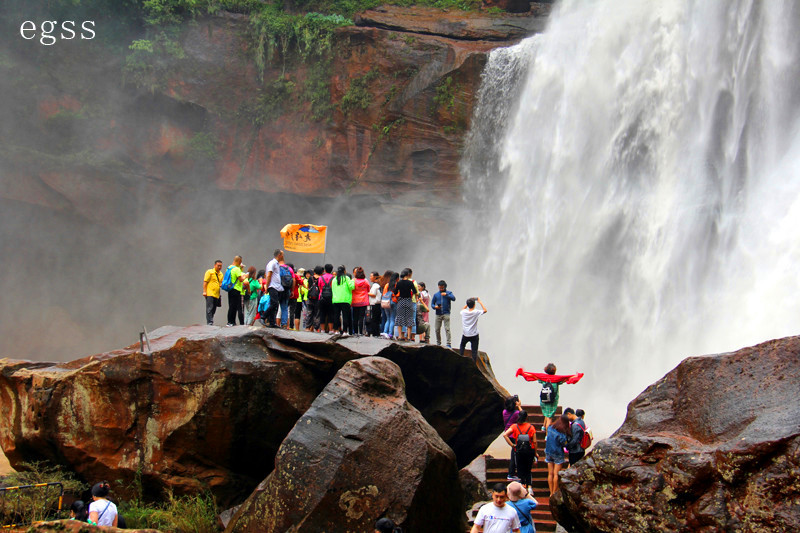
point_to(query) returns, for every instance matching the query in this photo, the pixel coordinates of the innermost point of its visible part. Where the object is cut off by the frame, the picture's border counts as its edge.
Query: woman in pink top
(360, 300)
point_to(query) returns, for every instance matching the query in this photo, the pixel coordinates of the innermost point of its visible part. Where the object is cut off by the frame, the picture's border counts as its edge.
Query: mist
(639, 189)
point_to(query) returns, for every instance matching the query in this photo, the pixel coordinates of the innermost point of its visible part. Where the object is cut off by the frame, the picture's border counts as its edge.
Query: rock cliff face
(360, 452)
(209, 407)
(713, 446)
(383, 116)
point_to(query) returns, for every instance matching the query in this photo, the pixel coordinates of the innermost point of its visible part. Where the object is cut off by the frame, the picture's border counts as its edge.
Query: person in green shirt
(235, 294)
(250, 286)
(342, 286)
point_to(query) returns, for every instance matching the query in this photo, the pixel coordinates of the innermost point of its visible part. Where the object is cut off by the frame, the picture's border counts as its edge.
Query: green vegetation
(358, 95)
(203, 145)
(187, 514)
(445, 94)
(40, 503)
(270, 103)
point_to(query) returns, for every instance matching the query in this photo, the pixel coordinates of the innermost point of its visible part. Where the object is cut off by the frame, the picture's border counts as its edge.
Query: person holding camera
(469, 326)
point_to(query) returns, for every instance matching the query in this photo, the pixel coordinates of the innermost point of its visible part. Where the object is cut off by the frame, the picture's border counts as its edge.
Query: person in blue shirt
(441, 304)
(521, 500)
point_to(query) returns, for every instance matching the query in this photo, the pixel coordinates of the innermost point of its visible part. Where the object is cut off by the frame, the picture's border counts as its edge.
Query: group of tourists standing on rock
(566, 436)
(393, 305)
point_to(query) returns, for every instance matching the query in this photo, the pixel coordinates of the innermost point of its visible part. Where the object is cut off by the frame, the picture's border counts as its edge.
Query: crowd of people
(392, 305)
(566, 436)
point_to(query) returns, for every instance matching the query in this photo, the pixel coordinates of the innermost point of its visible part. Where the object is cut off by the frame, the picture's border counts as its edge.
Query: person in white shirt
(101, 511)
(469, 325)
(375, 305)
(496, 517)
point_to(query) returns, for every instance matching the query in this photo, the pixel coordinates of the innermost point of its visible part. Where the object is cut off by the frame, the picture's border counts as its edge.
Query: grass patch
(358, 95)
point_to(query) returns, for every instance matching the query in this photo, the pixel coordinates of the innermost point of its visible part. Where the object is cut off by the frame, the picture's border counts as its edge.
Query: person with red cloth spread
(550, 382)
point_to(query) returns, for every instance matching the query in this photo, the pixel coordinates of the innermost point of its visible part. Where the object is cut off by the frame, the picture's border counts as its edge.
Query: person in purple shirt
(511, 412)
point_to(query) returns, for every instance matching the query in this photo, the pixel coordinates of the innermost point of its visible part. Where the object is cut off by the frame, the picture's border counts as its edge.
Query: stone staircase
(497, 470)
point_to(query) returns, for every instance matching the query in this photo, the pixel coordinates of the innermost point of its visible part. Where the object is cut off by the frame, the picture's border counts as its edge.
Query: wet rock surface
(362, 451)
(210, 406)
(712, 446)
(455, 24)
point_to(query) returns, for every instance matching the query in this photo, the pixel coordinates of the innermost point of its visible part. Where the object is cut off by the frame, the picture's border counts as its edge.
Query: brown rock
(210, 406)
(362, 451)
(457, 24)
(712, 446)
(74, 526)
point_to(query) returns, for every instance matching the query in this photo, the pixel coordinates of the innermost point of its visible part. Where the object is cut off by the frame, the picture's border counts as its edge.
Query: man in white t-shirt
(496, 517)
(469, 325)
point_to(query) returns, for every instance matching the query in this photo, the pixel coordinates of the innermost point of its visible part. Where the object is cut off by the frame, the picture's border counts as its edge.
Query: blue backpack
(227, 285)
(287, 281)
(263, 305)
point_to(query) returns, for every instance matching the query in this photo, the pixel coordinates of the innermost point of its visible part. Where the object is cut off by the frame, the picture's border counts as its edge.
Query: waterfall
(638, 171)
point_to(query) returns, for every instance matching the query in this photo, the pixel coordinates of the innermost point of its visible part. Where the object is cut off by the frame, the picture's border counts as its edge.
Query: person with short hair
(102, 512)
(235, 294)
(387, 525)
(313, 299)
(558, 434)
(406, 318)
(441, 304)
(326, 309)
(496, 516)
(211, 286)
(274, 287)
(469, 326)
(578, 428)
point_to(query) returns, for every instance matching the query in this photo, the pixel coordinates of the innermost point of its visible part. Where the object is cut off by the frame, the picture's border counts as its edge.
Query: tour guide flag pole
(305, 238)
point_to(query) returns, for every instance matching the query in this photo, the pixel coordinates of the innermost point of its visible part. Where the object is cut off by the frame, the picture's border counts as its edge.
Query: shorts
(559, 460)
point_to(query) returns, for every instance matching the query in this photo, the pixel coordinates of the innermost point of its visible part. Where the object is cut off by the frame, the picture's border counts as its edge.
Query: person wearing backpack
(313, 299)
(211, 287)
(274, 287)
(548, 398)
(522, 438)
(576, 447)
(522, 501)
(326, 299)
(389, 304)
(288, 283)
(235, 275)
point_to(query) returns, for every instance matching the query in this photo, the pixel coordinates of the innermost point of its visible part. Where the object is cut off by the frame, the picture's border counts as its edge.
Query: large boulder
(712, 446)
(209, 407)
(362, 451)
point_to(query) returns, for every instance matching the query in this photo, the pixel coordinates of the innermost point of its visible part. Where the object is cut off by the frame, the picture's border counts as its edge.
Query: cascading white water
(642, 202)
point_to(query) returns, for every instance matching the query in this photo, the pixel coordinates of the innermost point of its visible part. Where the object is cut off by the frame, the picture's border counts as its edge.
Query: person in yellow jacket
(211, 282)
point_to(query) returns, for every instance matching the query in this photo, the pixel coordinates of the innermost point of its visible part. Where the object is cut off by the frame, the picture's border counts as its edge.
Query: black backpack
(327, 291)
(525, 443)
(313, 289)
(548, 394)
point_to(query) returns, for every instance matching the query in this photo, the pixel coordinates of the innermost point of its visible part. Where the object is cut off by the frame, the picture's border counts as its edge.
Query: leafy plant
(38, 503)
(358, 95)
(269, 104)
(187, 514)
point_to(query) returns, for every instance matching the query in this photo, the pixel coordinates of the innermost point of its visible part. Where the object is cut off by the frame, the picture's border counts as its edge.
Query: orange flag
(304, 238)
